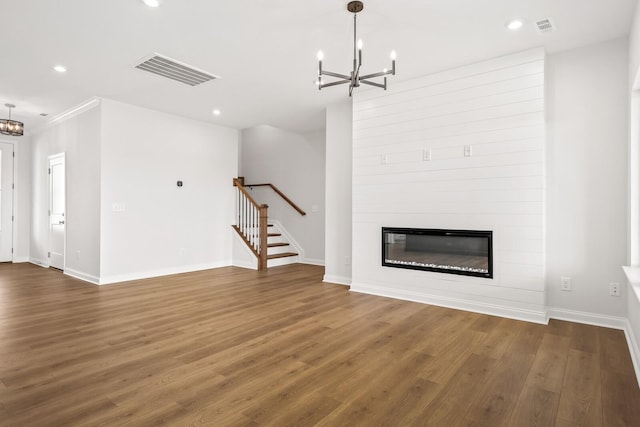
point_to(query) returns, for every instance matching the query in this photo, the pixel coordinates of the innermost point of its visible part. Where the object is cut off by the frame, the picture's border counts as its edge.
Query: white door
(6, 202)
(56, 211)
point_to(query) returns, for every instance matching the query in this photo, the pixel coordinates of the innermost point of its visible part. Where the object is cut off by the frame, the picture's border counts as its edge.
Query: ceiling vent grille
(175, 70)
(545, 25)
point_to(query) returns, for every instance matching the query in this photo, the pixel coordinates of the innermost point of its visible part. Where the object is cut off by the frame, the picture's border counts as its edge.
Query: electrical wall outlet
(614, 289)
(468, 151)
(565, 283)
(426, 155)
(384, 159)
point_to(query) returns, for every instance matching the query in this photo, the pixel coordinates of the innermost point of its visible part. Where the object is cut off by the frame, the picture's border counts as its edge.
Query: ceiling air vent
(545, 25)
(175, 70)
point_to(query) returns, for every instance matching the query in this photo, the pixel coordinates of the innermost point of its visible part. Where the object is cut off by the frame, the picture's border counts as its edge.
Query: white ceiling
(265, 50)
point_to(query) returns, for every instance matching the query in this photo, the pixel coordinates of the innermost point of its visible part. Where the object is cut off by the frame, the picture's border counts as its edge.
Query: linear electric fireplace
(465, 252)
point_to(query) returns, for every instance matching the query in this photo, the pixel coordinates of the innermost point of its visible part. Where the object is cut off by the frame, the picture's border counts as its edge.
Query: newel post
(264, 230)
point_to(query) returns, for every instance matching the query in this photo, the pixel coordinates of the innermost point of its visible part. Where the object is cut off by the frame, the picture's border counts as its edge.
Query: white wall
(79, 138)
(496, 106)
(339, 148)
(587, 123)
(164, 229)
(634, 50)
(633, 218)
(22, 200)
(296, 165)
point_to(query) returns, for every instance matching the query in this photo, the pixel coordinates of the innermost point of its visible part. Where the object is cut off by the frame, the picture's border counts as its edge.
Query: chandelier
(354, 79)
(11, 127)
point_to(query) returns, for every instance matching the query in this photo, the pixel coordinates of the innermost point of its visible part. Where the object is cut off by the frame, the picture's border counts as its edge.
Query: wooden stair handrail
(281, 194)
(262, 226)
(238, 184)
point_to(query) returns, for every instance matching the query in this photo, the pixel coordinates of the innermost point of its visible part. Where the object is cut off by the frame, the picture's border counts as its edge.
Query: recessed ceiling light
(514, 24)
(60, 68)
(44, 114)
(216, 112)
(151, 3)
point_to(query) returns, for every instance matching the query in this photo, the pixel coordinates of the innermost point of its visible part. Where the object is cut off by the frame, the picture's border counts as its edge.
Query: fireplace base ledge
(533, 316)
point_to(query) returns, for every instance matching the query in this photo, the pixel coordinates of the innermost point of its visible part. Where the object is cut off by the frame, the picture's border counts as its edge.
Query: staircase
(264, 240)
(278, 247)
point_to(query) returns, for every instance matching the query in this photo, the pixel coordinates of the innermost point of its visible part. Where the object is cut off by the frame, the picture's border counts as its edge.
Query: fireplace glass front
(465, 252)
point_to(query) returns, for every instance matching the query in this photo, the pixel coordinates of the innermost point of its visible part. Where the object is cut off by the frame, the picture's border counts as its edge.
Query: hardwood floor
(234, 347)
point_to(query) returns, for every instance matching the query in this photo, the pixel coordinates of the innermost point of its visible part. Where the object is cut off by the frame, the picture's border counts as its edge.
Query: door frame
(49, 158)
(14, 177)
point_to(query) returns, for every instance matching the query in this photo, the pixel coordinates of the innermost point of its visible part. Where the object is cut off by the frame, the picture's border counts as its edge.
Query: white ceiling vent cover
(545, 25)
(175, 70)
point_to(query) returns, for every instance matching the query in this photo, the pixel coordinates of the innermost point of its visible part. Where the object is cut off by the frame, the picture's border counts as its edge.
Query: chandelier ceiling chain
(11, 127)
(354, 79)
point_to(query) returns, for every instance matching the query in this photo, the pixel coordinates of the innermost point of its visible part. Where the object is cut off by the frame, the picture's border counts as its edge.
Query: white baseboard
(613, 322)
(39, 262)
(490, 309)
(21, 259)
(339, 280)
(162, 272)
(82, 276)
(312, 261)
(245, 264)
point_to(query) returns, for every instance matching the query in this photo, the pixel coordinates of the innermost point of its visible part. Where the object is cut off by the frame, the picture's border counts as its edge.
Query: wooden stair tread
(282, 255)
(268, 235)
(274, 245)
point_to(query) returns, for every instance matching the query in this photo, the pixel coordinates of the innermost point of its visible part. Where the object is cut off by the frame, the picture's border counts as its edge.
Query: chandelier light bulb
(393, 55)
(320, 55)
(360, 44)
(151, 3)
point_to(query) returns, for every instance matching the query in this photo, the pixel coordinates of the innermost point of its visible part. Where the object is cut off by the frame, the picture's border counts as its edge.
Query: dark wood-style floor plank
(235, 347)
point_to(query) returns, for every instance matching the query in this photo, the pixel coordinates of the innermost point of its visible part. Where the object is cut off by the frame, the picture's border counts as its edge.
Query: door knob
(60, 222)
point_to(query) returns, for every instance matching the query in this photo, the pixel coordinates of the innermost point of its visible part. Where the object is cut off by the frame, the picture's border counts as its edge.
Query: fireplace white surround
(461, 149)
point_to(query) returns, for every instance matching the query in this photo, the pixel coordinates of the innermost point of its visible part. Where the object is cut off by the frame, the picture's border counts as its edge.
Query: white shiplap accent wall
(497, 107)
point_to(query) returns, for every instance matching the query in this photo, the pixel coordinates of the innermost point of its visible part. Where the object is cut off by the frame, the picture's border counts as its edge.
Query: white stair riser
(282, 261)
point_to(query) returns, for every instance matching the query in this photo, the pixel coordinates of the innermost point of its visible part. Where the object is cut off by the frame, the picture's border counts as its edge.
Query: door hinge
(13, 154)
(48, 254)
(11, 250)
(49, 171)
(13, 186)
(12, 218)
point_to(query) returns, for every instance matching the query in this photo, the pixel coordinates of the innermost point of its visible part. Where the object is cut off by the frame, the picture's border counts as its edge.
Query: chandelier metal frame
(354, 79)
(11, 127)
